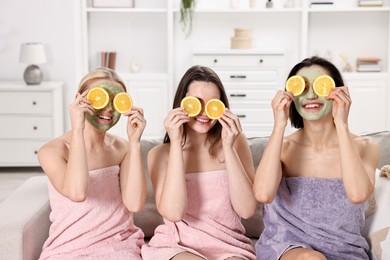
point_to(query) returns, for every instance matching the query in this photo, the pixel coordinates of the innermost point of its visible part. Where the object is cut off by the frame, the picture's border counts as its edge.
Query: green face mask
(308, 104)
(105, 118)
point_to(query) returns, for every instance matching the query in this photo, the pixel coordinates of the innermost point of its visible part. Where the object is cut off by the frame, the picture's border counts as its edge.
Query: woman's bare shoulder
(293, 138)
(159, 150)
(363, 142)
(157, 158)
(58, 147)
(116, 142)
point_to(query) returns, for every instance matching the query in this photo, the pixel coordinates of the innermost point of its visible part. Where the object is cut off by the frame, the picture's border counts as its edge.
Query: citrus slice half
(214, 108)
(99, 97)
(295, 85)
(122, 102)
(323, 85)
(191, 105)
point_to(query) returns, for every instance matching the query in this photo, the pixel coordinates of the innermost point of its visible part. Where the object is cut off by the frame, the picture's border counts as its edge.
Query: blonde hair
(100, 73)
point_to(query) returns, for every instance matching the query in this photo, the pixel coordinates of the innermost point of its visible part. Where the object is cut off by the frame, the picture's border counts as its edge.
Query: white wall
(50, 22)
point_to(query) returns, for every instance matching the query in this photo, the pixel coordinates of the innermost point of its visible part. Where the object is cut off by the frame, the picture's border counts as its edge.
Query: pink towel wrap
(99, 228)
(210, 228)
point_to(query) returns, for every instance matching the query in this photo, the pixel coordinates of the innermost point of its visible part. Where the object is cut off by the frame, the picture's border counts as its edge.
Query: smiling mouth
(105, 118)
(312, 106)
(202, 120)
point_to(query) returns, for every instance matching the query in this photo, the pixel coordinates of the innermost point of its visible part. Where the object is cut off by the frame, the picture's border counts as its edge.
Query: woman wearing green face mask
(314, 182)
(96, 179)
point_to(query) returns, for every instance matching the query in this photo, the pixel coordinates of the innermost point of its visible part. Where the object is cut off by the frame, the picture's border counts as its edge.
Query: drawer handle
(34, 103)
(261, 60)
(241, 116)
(35, 127)
(215, 60)
(237, 76)
(238, 95)
(35, 152)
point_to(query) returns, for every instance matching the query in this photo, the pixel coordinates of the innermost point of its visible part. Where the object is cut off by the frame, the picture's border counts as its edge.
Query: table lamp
(32, 53)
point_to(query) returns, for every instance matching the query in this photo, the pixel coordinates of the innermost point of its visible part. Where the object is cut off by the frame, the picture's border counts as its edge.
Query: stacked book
(315, 3)
(368, 64)
(370, 2)
(108, 59)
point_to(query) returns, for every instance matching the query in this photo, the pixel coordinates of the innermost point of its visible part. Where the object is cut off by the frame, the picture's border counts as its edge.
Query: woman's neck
(195, 139)
(92, 136)
(320, 133)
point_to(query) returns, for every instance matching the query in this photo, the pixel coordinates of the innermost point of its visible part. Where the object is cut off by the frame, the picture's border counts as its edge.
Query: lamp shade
(32, 53)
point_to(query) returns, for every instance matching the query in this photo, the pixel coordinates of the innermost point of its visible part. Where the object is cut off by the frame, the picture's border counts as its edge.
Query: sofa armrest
(24, 220)
(376, 228)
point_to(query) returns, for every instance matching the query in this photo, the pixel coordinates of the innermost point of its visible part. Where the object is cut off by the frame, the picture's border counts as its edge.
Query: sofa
(24, 215)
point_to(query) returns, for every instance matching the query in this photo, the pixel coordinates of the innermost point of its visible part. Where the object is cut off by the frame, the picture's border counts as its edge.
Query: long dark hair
(295, 117)
(203, 74)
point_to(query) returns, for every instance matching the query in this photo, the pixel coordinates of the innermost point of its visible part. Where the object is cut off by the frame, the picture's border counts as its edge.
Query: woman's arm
(66, 166)
(269, 171)
(132, 174)
(358, 158)
(166, 167)
(239, 165)
(241, 172)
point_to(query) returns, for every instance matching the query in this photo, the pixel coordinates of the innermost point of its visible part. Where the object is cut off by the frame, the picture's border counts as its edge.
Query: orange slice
(323, 85)
(295, 85)
(214, 108)
(98, 97)
(191, 105)
(122, 102)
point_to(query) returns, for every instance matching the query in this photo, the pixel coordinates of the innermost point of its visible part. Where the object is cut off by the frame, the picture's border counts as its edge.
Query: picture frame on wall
(113, 3)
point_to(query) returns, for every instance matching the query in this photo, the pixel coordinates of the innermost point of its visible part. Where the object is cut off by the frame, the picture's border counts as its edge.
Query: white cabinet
(151, 35)
(251, 79)
(369, 108)
(30, 117)
(152, 96)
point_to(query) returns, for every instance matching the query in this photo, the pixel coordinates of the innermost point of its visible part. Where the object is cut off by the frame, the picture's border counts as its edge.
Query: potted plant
(187, 8)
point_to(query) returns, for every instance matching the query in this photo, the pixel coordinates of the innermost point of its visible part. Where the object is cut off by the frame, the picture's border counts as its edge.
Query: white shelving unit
(251, 79)
(151, 35)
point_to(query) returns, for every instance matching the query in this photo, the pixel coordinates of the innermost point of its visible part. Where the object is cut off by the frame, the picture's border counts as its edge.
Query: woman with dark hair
(202, 177)
(314, 182)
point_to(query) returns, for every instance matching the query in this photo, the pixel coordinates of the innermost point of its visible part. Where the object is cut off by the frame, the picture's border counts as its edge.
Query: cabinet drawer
(241, 95)
(22, 127)
(19, 153)
(248, 76)
(237, 61)
(253, 115)
(26, 103)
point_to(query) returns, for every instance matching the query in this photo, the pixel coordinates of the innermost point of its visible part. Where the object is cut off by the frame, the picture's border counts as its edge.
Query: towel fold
(100, 227)
(313, 213)
(210, 228)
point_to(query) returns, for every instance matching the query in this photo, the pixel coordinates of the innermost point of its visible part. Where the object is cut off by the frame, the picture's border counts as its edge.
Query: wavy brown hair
(202, 74)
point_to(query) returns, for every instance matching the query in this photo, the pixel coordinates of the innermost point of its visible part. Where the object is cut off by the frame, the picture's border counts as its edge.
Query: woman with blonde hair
(96, 179)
